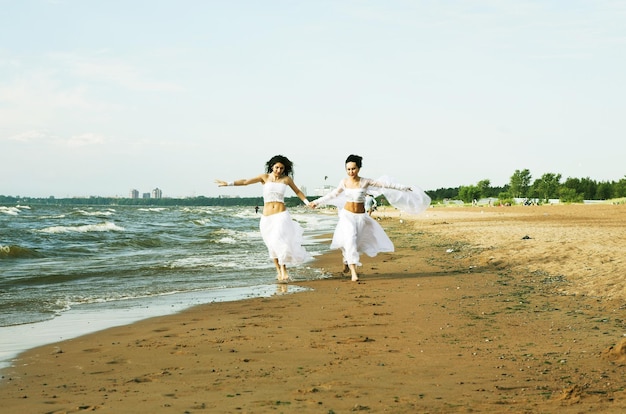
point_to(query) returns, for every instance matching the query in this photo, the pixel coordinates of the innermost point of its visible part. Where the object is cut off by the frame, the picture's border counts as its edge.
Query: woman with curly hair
(282, 235)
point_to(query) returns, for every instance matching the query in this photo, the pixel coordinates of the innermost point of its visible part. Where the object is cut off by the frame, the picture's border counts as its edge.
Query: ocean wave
(192, 262)
(108, 212)
(246, 214)
(11, 211)
(236, 235)
(227, 240)
(195, 263)
(81, 259)
(86, 228)
(38, 311)
(202, 221)
(143, 243)
(17, 252)
(155, 209)
(59, 216)
(212, 210)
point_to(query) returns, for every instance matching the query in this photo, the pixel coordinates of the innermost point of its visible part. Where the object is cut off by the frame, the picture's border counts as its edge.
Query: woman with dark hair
(356, 232)
(282, 235)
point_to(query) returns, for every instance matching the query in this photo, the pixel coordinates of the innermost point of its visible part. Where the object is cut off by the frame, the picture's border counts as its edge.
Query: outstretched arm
(298, 192)
(243, 181)
(330, 196)
(393, 186)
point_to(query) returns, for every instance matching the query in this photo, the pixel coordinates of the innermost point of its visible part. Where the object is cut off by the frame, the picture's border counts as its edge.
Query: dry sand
(480, 309)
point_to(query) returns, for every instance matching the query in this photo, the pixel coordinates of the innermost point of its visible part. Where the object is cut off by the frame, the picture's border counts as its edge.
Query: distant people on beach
(356, 232)
(256, 209)
(370, 203)
(282, 235)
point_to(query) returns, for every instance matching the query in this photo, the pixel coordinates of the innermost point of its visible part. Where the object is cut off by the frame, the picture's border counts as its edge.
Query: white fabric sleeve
(408, 199)
(388, 184)
(332, 196)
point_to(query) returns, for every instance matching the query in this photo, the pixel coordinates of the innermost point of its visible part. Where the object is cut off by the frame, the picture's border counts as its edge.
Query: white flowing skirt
(358, 233)
(284, 238)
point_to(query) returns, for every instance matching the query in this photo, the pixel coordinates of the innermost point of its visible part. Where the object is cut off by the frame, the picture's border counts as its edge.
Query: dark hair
(355, 159)
(280, 159)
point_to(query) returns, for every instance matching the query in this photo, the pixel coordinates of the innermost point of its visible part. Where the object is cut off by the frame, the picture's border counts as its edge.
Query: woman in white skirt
(282, 235)
(356, 232)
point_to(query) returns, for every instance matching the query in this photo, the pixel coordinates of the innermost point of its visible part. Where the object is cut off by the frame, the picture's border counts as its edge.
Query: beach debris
(526, 237)
(449, 250)
(571, 394)
(616, 353)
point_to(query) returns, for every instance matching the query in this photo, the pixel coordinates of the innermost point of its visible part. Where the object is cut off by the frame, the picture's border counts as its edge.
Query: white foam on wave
(59, 216)
(196, 210)
(192, 262)
(86, 228)
(227, 240)
(12, 211)
(108, 212)
(230, 236)
(202, 221)
(245, 214)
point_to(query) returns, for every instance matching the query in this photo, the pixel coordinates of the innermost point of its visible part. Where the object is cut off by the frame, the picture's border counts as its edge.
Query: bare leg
(355, 276)
(279, 273)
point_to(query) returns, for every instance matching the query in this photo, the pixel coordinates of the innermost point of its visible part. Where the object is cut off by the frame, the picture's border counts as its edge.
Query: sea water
(68, 270)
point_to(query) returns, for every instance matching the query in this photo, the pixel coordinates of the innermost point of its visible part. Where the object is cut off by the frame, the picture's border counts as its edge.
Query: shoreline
(18, 339)
(466, 315)
(94, 314)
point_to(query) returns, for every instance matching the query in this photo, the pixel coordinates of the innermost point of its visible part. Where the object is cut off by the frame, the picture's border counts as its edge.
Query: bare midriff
(273, 207)
(354, 207)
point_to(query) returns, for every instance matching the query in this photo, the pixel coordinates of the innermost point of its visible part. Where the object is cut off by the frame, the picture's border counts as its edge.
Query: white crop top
(357, 195)
(274, 192)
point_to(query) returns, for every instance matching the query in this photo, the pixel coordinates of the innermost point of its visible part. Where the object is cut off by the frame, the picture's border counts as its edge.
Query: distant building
(324, 190)
(157, 193)
(134, 193)
(145, 195)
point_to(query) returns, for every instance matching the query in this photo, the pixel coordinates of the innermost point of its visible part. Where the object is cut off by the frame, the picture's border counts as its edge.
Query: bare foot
(355, 276)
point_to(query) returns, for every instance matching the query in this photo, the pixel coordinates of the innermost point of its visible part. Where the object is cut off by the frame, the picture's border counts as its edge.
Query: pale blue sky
(100, 97)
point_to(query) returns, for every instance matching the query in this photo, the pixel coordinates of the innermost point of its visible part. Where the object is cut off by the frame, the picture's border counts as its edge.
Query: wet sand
(480, 309)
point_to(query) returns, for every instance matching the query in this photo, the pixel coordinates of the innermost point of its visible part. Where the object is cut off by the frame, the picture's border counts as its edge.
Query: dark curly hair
(357, 159)
(283, 160)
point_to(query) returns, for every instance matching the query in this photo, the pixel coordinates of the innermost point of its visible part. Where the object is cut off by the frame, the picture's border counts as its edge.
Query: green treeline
(548, 186)
(521, 185)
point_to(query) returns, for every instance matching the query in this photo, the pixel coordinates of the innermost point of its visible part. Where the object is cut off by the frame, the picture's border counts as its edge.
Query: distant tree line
(548, 186)
(163, 202)
(521, 185)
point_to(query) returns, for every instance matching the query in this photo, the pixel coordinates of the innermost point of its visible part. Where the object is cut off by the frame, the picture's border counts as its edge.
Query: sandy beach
(479, 309)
